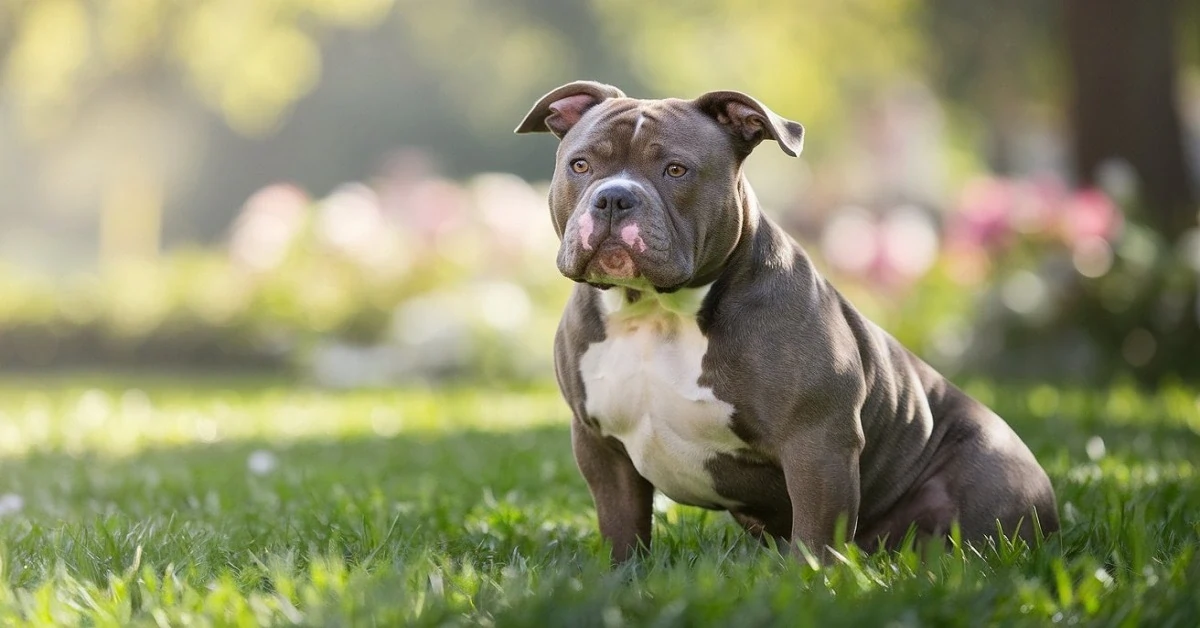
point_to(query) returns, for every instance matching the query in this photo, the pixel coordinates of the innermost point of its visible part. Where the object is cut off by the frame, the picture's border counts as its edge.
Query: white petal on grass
(11, 504)
(1095, 448)
(261, 462)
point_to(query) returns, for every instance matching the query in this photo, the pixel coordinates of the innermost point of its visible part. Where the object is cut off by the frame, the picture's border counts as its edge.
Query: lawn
(177, 502)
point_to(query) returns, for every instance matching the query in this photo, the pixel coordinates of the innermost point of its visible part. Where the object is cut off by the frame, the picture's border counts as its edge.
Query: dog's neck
(762, 242)
(625, 302)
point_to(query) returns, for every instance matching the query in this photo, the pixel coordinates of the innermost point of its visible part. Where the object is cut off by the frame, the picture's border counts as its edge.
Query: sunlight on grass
(247, 503)
(123, 421)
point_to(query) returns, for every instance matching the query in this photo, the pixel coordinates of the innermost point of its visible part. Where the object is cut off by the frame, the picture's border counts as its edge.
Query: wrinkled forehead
(632, 127)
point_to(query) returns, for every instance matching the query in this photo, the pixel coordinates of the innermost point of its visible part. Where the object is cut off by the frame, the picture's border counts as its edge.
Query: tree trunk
(1123, 67)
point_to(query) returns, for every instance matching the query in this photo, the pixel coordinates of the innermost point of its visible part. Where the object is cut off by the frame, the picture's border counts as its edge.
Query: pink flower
(1037, 202)
(1089, 214)
(890, 251)
(415, 199)
(437, 208)
(984, 218)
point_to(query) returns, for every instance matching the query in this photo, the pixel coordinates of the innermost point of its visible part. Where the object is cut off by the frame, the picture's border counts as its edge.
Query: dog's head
(648, 193)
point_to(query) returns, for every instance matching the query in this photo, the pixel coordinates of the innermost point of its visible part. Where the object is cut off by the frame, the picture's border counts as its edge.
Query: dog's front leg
(820, 465)
(624, 499)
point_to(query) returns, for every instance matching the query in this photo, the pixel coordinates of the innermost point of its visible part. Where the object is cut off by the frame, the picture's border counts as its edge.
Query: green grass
(130, 505)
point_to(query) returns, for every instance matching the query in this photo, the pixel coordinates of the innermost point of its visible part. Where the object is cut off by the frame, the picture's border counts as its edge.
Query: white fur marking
(637, 126)
(612, 300)
(642, 385)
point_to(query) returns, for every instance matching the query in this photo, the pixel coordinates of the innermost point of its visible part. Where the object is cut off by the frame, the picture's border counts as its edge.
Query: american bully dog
(703, 355)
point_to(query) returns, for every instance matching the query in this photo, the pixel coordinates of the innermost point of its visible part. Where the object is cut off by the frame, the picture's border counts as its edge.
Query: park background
(332, 189)
(277, 297)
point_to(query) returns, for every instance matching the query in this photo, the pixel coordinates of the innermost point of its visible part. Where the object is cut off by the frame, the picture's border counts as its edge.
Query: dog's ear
(750, 122)
(562, 108)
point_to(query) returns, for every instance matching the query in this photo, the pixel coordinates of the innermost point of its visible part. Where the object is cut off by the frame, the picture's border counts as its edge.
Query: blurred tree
(990, 61)
(449, 78)
(1125, 102)
(1115, 64)
(803, 61)
(1119, 72)
(1124, 71)
(103, 85)
(105, 105)
(251, 61)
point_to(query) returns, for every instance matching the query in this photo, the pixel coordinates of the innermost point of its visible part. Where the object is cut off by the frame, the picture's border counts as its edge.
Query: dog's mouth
(613, 260)
(614, 265)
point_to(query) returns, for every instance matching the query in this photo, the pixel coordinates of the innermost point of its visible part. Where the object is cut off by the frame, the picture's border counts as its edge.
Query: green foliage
(463, 507)
(810, 60)
(250, 61)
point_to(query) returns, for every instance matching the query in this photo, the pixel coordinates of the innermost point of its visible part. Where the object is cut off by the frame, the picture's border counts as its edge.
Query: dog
(703, 355)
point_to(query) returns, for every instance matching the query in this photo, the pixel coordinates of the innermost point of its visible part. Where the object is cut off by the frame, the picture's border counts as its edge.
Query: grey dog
(703, 356)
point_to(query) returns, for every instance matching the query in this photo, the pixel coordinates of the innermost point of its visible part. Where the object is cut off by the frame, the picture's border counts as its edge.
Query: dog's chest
(642, 386)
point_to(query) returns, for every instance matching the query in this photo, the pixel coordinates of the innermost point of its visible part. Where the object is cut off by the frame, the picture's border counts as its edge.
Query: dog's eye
(675, 171)
(580, 166)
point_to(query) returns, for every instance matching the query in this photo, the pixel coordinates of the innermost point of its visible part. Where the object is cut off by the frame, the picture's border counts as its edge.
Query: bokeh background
(330, 189)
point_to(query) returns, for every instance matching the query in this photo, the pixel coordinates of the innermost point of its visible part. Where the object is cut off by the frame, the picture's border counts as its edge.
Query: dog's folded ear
(562, 108)
(750, 122)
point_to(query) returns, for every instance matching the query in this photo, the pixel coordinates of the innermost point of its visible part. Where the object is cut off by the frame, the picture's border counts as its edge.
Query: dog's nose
(615, 197)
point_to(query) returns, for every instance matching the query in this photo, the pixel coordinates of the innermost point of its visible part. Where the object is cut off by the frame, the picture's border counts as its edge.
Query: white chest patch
(642, 385)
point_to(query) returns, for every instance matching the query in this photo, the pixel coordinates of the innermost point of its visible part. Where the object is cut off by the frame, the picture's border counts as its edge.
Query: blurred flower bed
(415, 277)
(412, 277)
(1077, 286)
